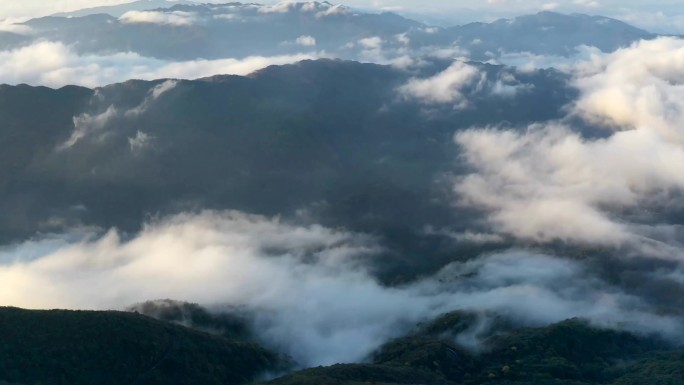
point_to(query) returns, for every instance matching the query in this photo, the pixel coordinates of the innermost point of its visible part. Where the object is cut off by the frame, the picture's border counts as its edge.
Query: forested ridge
(88, 347)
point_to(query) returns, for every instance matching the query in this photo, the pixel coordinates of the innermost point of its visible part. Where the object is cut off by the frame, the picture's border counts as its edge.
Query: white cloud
(467, 236)
(280, 7)
(371, 49)
(640, 87)
(333, 10)
(311, 6)
(455, 53)
(587, 3)
(549, 183)
(668, 20)
(306, 41)
(162, 88)
(445, 87)
(177, 18)
(406, 62)
(203, 68)
(374, 42)
(15, 26)
(87, 124)
(507, 85)
(55, 64)
(307, 288)
(152, 95)
(227, 16)
(140, 141)
(538, 185)
(403, 38)
(528, 62)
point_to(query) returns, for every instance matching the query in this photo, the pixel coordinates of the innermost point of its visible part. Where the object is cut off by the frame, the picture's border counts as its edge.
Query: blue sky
(659, 16)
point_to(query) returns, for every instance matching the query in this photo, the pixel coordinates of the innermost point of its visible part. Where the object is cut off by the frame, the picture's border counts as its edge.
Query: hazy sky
(663, 15)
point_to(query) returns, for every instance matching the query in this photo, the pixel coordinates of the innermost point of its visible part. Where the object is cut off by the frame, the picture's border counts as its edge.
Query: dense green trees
(77, 347)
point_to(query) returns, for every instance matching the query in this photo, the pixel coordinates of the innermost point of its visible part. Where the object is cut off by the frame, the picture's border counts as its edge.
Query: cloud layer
(458, 84)
(445, 87)
(54, 64)
(308, 288)
(549, 182)
(176, 18)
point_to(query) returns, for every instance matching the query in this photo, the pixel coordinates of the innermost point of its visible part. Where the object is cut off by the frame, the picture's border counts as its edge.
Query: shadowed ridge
(108, 347)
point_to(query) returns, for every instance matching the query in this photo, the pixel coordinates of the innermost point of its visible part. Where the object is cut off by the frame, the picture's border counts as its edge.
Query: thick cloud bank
(550, 182)
(637, 88)
(308, 289)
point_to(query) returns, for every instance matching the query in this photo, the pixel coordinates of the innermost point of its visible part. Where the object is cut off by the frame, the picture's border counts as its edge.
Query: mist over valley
(314, 193)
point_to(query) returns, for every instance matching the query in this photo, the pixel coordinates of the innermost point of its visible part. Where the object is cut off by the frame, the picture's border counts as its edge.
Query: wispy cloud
(306, 40)
(15, 26)
(460, 82)
(55, 64)
(177, 18)
(88, 124)
(445, 87)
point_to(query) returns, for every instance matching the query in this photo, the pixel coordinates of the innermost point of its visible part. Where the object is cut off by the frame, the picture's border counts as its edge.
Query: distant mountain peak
(118, 10)
(324, 8)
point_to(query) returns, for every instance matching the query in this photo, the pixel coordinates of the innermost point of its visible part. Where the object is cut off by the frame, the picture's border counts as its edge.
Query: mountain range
(66, 347)
(331, 141)
(334, 196)
(186, 31)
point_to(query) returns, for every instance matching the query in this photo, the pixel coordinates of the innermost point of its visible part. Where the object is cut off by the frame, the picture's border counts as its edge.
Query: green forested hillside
(84, 347)
(567, 353)
(79, 347)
